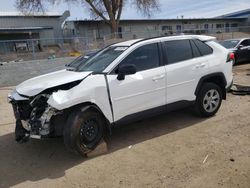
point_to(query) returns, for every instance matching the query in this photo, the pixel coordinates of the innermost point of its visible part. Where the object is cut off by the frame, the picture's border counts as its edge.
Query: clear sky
(168, 8)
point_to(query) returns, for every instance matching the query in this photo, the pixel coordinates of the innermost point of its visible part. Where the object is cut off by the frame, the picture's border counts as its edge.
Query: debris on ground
(205, 159)
(2, 63)
(237, 89)
(74, 54)
(52, 57)
(232, 160)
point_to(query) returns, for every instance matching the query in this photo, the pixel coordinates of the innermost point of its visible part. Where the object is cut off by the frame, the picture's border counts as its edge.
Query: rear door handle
(159, 77)
(197, 66)
(202, 65)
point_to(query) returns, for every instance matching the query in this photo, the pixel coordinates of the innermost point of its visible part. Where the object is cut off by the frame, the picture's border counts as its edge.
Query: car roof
(127, 43)
(134, 41)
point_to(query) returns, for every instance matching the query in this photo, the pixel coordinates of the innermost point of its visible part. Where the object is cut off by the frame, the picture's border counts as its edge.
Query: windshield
(76, 62)
(229, 43)
(102, 60)
(81, 59)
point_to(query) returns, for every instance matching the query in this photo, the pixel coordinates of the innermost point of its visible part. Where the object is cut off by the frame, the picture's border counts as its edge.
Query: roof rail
(145, 39)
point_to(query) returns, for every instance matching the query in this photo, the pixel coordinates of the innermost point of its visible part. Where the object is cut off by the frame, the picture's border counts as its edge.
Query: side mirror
(240, 47)
(124, 70)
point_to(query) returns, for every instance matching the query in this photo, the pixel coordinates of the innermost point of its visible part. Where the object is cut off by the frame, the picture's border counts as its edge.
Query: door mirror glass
(124, 70)
(240, 47)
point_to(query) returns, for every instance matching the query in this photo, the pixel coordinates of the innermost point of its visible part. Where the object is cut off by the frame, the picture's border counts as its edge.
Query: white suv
(123, 82)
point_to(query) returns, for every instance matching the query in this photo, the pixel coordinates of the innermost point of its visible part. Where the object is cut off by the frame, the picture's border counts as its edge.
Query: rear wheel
(84, 131)
(208, 100)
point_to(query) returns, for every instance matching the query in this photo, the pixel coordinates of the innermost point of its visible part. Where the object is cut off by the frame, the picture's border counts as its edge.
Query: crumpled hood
(38, 84)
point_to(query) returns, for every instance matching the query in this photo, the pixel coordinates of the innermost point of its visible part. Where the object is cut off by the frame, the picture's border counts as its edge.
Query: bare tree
(108, 10)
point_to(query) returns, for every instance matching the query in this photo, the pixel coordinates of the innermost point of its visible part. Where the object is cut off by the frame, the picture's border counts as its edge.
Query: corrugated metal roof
(238, 14)
(3, 14)
(25, 28)
(160, 20)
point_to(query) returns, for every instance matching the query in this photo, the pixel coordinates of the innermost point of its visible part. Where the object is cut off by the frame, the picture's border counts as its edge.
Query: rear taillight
(230, 57)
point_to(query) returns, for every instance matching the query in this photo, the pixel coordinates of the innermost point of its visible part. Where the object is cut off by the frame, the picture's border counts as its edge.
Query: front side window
(144, 58)
(245, 43)
(102, 60)
(178, 50)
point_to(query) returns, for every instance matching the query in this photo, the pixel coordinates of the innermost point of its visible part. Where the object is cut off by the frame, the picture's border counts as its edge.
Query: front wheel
(84, 131)
(208, 100)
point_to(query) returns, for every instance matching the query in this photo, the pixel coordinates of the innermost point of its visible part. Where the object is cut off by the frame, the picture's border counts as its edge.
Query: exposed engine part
(39, 100)
(25, 125)
(35, 118)
(45, 120)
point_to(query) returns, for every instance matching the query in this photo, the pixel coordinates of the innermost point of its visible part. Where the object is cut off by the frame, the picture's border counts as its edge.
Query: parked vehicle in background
(240, 48)
(124, 82)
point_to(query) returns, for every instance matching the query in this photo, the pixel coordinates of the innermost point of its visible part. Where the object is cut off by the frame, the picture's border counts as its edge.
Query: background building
(97, 29)
(17, 27)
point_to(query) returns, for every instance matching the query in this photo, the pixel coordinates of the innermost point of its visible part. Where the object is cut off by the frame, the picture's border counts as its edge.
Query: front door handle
(159, 77)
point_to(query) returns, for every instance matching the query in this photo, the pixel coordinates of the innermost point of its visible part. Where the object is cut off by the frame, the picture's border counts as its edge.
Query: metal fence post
(33, 50)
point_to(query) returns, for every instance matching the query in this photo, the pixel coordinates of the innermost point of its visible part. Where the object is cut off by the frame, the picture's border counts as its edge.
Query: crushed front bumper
(28, 125)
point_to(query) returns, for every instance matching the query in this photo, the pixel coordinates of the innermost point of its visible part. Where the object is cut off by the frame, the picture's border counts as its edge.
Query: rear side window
(144, 58)
(178, 50)
(203, 48)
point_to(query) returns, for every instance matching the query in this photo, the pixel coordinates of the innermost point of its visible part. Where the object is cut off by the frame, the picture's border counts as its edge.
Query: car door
(243, 52)
(183, 70)
(143, 90)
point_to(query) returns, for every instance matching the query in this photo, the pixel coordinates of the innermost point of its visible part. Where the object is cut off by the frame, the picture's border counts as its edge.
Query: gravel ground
(176, 149)
(12, 74)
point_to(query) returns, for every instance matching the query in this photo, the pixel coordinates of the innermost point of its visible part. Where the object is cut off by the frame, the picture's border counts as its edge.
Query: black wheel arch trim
(88, 105)
(210, 76)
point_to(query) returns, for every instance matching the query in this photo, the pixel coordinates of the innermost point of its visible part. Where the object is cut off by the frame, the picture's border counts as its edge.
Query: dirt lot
(171, 150)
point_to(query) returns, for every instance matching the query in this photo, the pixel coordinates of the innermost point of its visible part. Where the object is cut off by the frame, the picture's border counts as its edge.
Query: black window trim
(192, 41)
(160, 53)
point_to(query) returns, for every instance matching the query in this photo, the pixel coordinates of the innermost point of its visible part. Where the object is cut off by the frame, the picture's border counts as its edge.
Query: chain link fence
(33, 49)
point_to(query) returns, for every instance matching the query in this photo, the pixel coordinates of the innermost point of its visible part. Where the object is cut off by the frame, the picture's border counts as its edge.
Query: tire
(234, 62)
(84, 130)
(208, 100)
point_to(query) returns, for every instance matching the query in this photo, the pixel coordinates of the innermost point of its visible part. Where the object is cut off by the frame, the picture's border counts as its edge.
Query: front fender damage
(45, 114)
(34, 116)
(91, 91)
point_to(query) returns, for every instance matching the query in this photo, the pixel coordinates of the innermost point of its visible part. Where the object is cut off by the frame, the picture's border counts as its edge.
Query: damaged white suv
(123, 82)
